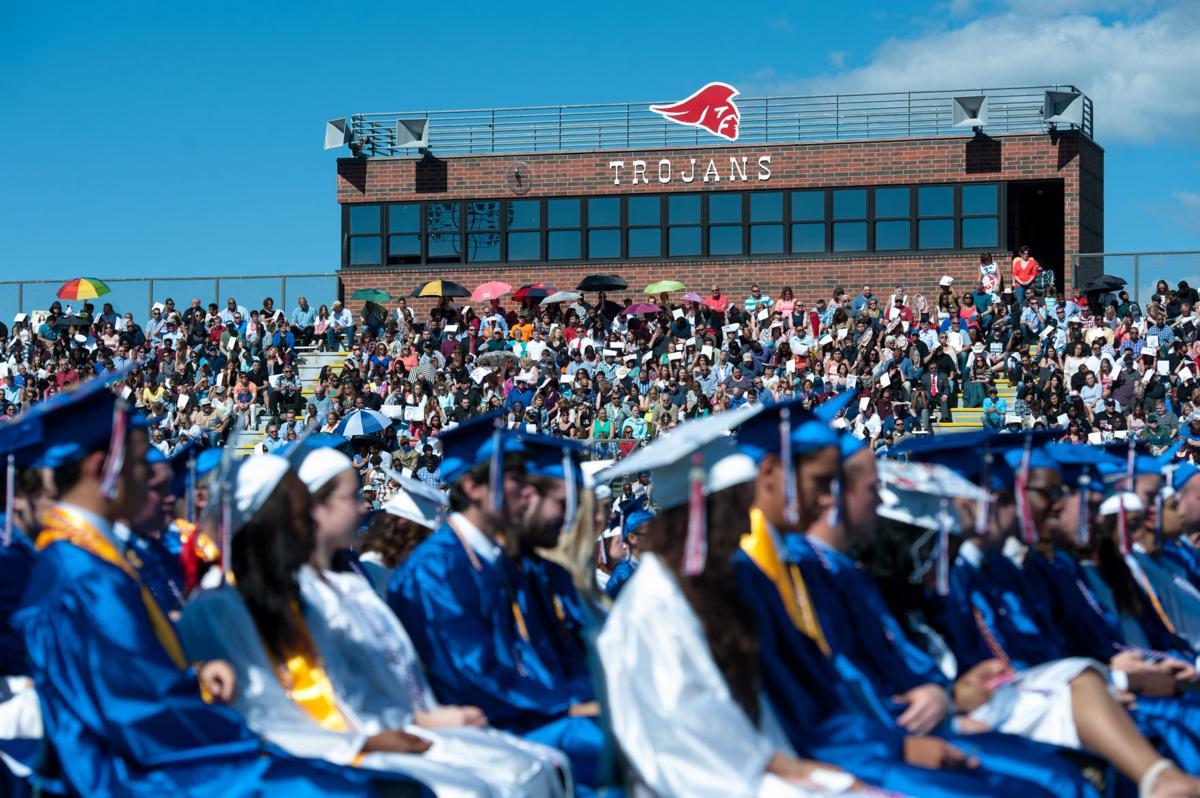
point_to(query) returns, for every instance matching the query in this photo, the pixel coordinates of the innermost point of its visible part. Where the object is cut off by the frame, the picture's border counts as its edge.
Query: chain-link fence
(1141, 270)
(137, 295)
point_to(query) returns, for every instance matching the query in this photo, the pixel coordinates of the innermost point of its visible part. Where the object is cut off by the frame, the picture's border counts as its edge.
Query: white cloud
(1187, 210)
(837, 59)
(1143, 74)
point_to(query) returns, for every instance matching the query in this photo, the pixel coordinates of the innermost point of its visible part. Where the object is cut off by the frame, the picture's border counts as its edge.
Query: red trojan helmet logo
(711, 108)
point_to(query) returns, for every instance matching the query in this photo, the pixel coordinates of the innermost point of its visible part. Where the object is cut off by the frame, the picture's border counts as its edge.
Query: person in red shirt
(1024, 271)
(716, 301)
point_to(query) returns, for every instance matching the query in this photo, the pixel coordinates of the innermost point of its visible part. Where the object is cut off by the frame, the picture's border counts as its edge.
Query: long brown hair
(392, 538)
(713, 594)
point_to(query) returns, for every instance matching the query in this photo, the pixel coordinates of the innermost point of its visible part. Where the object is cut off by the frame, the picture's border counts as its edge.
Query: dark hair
(514, 463)
(1112, 567)
(392, 538)
(728, 624)
(267, 553)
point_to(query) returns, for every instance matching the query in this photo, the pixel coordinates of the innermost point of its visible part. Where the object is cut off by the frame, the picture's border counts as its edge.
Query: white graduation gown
(375, 668)
(217, 625)
(669, 705)
(20, 718)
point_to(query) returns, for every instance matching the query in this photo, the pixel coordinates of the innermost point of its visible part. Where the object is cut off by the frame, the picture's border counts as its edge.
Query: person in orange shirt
(1024, 271)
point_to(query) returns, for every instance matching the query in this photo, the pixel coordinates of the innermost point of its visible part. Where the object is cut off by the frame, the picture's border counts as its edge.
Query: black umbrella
(74, 321)
(602, 282)
(1104, 282)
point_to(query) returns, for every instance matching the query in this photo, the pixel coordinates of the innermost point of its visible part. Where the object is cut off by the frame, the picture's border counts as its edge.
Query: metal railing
(826, 117)
(1141, 270)
(138, 294)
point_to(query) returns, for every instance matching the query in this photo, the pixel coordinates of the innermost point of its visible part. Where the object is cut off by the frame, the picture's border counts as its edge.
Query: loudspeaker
(969, 111)
(412, 133)
(336, 134)
(1063, 108)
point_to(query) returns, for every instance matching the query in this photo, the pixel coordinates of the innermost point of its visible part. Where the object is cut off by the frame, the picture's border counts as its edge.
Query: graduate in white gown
(284, 690)
(371, 659)
(679, 724)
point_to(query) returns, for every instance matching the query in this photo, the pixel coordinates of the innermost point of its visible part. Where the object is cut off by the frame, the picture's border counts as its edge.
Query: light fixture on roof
(1063, 108)
(412, 133)
(337, 134)
(969, 111)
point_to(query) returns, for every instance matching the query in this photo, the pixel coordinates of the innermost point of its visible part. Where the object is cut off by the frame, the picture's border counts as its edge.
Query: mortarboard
(253, 480)
(319, 465)
(415, 501)
(828, 410)
(474, 442)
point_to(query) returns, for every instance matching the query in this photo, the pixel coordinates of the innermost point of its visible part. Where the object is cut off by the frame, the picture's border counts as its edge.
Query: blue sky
(184, 139)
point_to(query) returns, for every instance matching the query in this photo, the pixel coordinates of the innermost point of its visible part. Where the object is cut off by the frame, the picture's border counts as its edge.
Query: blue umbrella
(362, 422)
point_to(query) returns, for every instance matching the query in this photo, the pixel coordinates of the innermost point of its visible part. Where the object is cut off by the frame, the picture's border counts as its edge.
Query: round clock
(518, 177)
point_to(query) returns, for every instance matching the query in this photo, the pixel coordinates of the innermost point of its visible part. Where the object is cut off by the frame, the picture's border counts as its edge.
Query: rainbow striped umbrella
(83, 288)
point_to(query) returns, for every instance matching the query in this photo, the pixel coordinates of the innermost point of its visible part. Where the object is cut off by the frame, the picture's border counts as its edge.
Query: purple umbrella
(691, 296)
(641, 308)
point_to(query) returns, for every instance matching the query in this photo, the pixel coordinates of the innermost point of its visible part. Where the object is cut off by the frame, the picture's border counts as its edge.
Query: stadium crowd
(619, 374)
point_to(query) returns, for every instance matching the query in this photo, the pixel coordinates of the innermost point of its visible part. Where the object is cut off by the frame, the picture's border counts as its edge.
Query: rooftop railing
(776, 120)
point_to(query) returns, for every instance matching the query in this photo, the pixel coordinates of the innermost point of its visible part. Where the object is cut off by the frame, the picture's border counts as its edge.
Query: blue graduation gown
(461, 621)
(620, 575)
(557, 619)
(160, 570)
(123, 717)
(1184, 557)
(16, 564)
(1179, 599)
(821, 718)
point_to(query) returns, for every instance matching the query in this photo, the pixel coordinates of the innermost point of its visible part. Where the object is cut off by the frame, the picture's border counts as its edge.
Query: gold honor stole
(61, 524)
(759, 546)
(307, 684)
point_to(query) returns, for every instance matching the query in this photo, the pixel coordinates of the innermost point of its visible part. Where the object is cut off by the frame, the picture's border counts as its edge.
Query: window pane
(936, 233)
(645, 242)
(891, 235)
(604, 212)
(364, 251)
(405, 218)
(364, 218)
(850, 203)
(445, 248)
(404, 249)
(766, 239)
(766, 206)
(683, 241)
(724, 208)
(849, 236)
(644, 210)
(524, 214)
(683, 209)
(441, 216)
(483, 215)
(891, 203)
(979, 232)
(808, 206)
(524, 246)
(562, 212)
(808, 237)
(483, 247)
(980, 199)
(604, 243)
(563, 244)
(936, 200)
(725, 240)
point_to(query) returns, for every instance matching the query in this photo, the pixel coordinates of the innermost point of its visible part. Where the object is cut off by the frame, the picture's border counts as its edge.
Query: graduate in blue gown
(827, 706)
(633, 521)
(456, 594)
(123, 711)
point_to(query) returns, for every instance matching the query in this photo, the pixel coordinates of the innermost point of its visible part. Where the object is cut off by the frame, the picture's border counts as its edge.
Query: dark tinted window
(441, 216)
(524, 246)
(977, 233)
(364, 218)
(483, 215)
(404, 249)
(935, 200)
(483, 247)
(891, 202)
(404, 218)
(766, 206)
(849, 236)
(892, 235)
(645, 242)
(364, 251)
(562, 244)
(766, 239)
(808, 238)
(980, 199)
(524, 214)
(683, 209)
(684, 241)
(936, 233)
(644, 210)
(445, 248)
(850, 203)
(604, 244)
(725, 240)
(724, 208)
(562, 213)
(808, 206)
(604, 212)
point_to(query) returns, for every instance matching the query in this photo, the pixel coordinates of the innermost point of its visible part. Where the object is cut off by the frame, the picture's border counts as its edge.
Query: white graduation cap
(946, 281)
(1122, 500)
(415, 501)
(254, 480)
(321, 465)
(20, 317)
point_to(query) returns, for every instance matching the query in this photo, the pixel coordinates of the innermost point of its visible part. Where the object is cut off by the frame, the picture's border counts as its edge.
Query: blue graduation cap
(556, 458)
(634, 521)
(1084, 464)
(1181, 473)
(471, 443)
(828, 410)
(786, 430)
(850, 445)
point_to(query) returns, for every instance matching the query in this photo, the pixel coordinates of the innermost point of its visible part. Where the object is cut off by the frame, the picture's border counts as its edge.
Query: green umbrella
(371, 295)
(663, 287)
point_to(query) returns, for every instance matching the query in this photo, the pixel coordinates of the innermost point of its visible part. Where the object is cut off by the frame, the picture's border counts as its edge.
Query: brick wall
(866, 163)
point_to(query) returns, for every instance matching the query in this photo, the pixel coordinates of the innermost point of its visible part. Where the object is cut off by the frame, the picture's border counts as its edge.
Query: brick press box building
(807, 192)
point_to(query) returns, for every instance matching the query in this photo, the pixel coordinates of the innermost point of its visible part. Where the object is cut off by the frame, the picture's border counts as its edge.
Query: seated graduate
(289, 694)
(1181, 496)
(634, 517)
(456, 594)
(678, 651)
(825, 704)
(143, 538)
(122, 709)
(20, 714)
(413, 512)
(370, 658)
(558, 619)
(1064, 703)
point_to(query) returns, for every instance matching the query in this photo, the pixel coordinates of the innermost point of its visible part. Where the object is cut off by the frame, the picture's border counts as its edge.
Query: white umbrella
(562, 296)
(362, 422)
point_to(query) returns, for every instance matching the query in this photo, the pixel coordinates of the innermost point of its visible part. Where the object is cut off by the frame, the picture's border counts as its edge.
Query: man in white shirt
(231, 307)
(341, 322)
